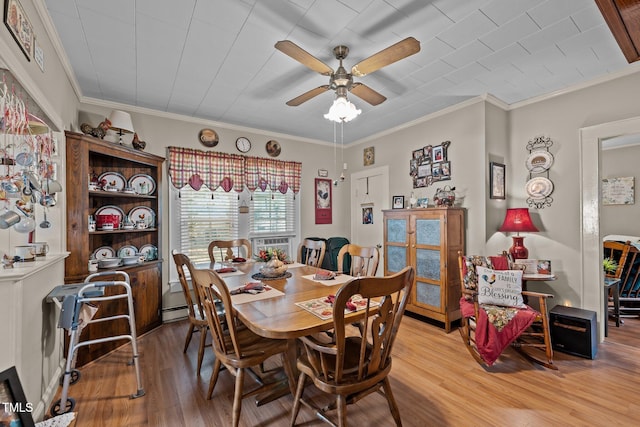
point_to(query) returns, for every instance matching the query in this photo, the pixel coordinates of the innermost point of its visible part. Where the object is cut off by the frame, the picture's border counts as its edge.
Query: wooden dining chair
(364, 260)
(197, 319)
(229, 249)
(481, 324)
(236, 347)
(311, 252)
(352, 367)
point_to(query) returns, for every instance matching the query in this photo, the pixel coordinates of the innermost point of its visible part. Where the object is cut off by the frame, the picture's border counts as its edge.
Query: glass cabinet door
(428, 291)
(397, 244)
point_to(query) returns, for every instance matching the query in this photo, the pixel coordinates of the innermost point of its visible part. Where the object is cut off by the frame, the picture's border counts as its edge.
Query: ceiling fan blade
(307, 96)
(393, 53)
(302, 56)
(366, 93)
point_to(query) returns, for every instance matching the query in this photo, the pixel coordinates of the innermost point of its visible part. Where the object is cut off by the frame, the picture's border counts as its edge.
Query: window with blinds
(204, 216)
(272, 213)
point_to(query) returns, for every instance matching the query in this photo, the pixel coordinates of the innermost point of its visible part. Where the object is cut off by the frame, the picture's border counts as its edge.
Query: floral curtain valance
(231, 171)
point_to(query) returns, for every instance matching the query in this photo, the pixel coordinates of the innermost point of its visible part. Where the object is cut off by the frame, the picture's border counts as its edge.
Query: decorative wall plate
(140, 182)
(128, 250)
(113, 180)
(539, 187)
(150, 252)
(103, 252)
(143, 213)
(208, 137)
(273, 148)
(539, 161)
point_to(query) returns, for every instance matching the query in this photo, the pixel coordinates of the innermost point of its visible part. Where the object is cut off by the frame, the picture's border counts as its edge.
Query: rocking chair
(527, 330)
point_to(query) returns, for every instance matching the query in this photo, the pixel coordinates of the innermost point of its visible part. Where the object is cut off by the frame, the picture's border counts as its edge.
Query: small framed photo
(323, 173)
(497, 172)
(438, 153)
(398, 202)
(14, 408)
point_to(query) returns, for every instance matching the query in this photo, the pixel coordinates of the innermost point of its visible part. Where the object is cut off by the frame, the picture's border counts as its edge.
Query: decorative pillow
(470, 262)
(500, 287)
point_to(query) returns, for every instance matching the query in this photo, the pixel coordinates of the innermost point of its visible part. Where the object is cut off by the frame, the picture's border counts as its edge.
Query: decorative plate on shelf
(128, 250)
(113, 180)
(143, 213)
(142, 184)
(110, 210)
(150, 252)
(539, 187)
(539, 161)
(103, 252)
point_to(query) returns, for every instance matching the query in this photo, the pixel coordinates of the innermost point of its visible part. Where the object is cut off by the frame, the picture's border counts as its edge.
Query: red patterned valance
(231, 171)
(261, 173)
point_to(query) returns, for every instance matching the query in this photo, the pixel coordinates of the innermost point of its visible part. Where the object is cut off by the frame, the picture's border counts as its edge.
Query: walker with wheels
(73, 298)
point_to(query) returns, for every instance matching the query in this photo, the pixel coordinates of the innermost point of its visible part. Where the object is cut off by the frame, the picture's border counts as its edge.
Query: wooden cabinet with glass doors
(87, 156)
(428, 239)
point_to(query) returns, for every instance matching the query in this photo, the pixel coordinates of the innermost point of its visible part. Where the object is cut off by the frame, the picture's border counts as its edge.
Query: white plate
(143, 213)
(136, 182)
(539, 161)
(110, 210)
(150, 252)
(103, 252)
(128, 250)
(539, 187)
(114, 179)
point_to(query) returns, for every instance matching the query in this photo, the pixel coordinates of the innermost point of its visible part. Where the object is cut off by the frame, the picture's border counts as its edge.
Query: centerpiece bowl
(274, 268)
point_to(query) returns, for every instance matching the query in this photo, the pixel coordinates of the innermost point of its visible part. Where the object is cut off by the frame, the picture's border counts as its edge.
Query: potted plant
(610, 265)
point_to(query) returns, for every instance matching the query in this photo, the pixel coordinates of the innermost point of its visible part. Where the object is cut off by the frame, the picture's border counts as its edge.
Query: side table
(614, 285)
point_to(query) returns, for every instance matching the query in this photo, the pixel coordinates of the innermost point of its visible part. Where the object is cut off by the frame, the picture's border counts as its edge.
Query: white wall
(621, 219)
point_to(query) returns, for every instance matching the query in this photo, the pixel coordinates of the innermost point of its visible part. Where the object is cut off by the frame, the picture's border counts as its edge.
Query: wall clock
(208, 137)
(243, 144)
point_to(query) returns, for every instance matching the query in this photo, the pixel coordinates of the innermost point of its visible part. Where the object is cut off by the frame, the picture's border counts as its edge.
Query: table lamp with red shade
(515, 221)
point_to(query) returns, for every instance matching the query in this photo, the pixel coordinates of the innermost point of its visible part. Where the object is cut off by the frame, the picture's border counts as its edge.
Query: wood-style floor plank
(434, 380)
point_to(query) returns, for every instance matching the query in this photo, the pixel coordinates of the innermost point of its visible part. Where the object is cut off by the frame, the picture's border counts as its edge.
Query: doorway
(591, 243)
(369, 196)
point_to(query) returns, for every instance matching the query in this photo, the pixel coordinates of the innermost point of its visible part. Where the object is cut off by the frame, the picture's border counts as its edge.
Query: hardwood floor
(434, 379)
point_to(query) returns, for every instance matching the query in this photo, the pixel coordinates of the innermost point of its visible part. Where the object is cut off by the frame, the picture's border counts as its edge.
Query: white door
(369, 196)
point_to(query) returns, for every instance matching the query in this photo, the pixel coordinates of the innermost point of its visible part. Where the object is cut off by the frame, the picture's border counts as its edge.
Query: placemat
(295, 265)
(324, 309)
(244, 298)
(340, 279)
(233, 273)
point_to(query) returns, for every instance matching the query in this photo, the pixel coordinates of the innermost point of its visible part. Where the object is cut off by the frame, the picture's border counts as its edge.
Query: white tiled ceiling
(215, 59)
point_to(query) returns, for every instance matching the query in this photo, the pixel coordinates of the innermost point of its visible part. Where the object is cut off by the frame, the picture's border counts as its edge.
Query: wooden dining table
(279, 317)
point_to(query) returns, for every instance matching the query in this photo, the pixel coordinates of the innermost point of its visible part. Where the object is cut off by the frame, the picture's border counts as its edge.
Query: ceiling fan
(341, 81)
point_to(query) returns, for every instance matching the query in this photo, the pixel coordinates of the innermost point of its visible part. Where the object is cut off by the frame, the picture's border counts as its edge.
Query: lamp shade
(121, 122)
(517, 220)
(342, 110)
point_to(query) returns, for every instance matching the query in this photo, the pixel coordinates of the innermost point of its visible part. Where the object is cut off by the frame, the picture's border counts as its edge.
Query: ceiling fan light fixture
(342, 110)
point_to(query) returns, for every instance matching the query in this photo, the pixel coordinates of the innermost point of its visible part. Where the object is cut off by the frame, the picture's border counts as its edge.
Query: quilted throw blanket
(497, 327)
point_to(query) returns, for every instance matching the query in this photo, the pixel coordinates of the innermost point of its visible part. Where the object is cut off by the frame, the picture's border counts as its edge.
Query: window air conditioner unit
(263, 243)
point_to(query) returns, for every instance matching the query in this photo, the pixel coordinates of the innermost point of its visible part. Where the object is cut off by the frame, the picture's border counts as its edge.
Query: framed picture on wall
(497, 172)
(19, 26)
(14, 408)
(323, 201)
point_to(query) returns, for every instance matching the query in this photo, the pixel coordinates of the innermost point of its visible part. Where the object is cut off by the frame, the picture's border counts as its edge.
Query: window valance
(231, 171)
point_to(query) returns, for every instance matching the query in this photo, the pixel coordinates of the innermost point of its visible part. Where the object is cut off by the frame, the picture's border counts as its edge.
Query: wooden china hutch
(87, 156)
(428, 239)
